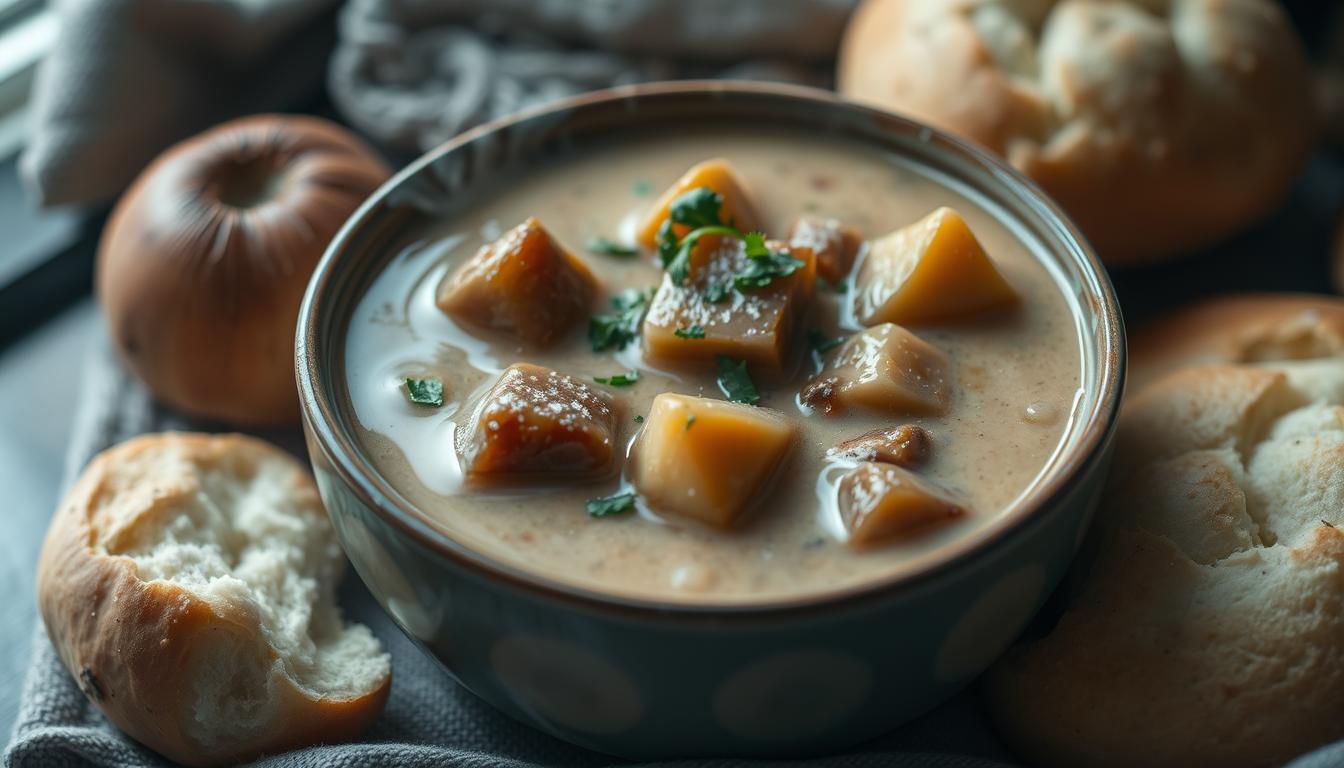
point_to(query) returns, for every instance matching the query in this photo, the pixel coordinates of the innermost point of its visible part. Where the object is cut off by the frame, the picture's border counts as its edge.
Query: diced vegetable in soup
(879, 502)
(885, 368)
(931, 271)
(833, 244)
(762, 399)
(708, 459)
(538, 423)
(524, 283)
(757, 324)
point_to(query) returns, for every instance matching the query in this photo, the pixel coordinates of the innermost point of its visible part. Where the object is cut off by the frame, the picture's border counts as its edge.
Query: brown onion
(204, 261)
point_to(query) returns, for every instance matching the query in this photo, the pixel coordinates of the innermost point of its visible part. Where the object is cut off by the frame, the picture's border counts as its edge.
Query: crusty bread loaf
(1245, 328)
(1160, 125)
(188, 584)
(1205, 621)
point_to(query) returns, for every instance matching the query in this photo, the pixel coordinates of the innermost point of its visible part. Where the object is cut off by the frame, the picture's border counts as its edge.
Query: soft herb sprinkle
(425, 392)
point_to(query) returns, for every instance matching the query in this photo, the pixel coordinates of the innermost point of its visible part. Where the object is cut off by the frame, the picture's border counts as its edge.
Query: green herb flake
(642, 188)
(616, 331)
(735, 382)
(618, 380)
(609, 506)
(694, 332)
(717, 291)
(425, 392)
(699, 211)
(690, 419)
(696, 208)
(604, 247)
(639, 419)
(821, 343)
(762, 270)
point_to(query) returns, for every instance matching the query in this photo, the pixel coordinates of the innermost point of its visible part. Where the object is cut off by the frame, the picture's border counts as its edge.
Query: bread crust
(1121, 114)
(133, 646)
(1205, 619)
(1241, 328)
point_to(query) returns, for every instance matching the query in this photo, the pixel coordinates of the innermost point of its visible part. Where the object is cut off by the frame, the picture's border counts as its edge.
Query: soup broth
(1014, 378)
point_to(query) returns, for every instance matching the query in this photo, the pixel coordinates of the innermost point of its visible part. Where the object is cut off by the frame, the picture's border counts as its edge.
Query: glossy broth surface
(1016, 377)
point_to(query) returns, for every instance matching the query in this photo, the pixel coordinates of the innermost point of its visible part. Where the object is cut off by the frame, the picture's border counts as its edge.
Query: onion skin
(204, 260)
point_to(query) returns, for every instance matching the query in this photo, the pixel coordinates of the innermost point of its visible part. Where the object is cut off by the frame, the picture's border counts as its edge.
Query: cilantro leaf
(616, 331)
(639, 419)
(605, 247)
(425, 392)
(821, 343)
(694, 332)
(755, 242)
(690, 419)
(607, 506)
(760, 271)
(618, 380)
(668, 243)
(735, 382)
(696, 208)
(718, 291)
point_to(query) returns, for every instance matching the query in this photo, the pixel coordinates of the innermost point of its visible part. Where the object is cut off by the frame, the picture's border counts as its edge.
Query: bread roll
(1160, 126)
(188, 584)
(1205, 621)
(1246, 328)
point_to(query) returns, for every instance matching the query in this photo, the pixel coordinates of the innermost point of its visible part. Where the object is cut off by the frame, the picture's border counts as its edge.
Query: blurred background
(91, 91)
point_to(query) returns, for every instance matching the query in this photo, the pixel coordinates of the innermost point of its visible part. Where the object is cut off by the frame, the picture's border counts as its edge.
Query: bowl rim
(358, 475)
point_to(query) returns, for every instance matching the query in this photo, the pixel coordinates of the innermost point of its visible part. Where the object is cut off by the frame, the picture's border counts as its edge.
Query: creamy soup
(983, 424)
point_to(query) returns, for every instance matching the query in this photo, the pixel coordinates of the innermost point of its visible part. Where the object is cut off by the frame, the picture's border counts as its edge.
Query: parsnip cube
(929, 272)
(710, 460)
(758, 325)
(882, 502)
(525, 283)
(717, 175)
(885, 368)
(536, 423)
(833, 244)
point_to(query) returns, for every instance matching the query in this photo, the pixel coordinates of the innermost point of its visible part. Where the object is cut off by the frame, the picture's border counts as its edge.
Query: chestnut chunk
(905, 446)
(536, 423)
(932, 271)
(708, 459)
(705, 318)
(525, 284)
(834, 245)
(737, 209)
(883, 502)
(885, 368)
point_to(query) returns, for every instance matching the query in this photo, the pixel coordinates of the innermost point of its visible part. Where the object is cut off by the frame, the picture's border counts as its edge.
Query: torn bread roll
(1205, 620)
(1160, 126)
(188, 584)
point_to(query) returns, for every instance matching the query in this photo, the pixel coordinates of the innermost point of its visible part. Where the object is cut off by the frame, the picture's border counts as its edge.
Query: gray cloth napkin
(128, 78)
(429, 720)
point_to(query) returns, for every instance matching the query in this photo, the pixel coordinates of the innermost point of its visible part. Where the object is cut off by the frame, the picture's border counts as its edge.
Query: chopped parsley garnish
(605, 247)
(760, 271)
(690, 419)
(698, 210)
(735, 382)
(618, 330)
(619, 380)
(639, 419)
(822, 344)
(608, 506)
(694, 332)
(642, 188)
(425, 392)
(717, 291)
